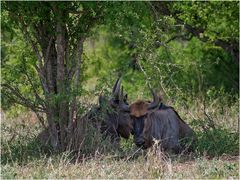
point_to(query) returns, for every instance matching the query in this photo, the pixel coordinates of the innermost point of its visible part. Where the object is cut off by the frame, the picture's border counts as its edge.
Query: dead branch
(181, 36)
(41, 120)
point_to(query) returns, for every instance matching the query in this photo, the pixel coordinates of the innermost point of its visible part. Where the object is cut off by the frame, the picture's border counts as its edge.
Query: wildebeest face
(138, 113)
(124, 125)
(117, 122)
(138, 126)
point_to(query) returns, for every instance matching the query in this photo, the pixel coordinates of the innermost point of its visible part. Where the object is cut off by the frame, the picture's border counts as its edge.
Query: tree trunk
(61, 83)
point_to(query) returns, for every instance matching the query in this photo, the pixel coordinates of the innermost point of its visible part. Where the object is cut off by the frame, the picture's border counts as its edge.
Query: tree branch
(33, 44)
(10, 92)
(231, 47)
(48, 50)
(41, 119)
(40, 67)
(40, 100)
(76, 81)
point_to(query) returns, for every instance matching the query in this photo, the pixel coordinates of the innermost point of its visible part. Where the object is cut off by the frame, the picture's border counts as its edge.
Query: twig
(133, 154)
(20, 99)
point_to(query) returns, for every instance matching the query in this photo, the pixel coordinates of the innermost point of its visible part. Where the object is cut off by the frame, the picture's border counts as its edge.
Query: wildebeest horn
(155, 101)
(122, 104)
(116, 88)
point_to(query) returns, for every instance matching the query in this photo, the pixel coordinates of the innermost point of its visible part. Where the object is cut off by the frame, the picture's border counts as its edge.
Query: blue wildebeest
(154, 120)
(109, 117)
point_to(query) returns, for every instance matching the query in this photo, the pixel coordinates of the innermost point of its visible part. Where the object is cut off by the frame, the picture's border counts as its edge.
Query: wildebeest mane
(164, 107)
(139, 108)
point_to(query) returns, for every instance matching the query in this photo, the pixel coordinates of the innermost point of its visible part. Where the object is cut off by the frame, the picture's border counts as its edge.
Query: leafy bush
(217, 141)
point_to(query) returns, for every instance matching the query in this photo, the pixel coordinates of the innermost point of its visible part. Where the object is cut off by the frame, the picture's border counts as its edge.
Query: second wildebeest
(160, 122)
(109, 117)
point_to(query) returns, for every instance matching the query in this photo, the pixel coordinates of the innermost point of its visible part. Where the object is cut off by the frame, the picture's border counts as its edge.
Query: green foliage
(216, 142)
(212, 17)
(17, 68)
(17, 62)
(190, 67)
(180, 69)
(32, 28)
(131, 43)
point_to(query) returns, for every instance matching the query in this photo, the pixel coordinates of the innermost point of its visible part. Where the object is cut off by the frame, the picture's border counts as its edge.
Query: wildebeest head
(116, 121)
(139, 112)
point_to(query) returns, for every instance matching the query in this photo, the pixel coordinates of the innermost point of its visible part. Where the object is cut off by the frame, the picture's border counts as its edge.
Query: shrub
(217, 141)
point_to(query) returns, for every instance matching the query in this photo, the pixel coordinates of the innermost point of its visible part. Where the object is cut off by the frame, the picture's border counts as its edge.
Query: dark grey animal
(160, 122)
(113, 121)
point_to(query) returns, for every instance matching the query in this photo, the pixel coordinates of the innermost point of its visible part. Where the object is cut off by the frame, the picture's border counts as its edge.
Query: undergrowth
(216, 142)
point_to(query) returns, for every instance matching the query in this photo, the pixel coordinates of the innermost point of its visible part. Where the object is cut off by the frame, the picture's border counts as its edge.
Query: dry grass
(21, 156)
(148, 167)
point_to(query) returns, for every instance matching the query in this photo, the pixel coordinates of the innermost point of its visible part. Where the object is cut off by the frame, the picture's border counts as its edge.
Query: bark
(52, 130)
(48, 76)
(76, 71)
(62, 81)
